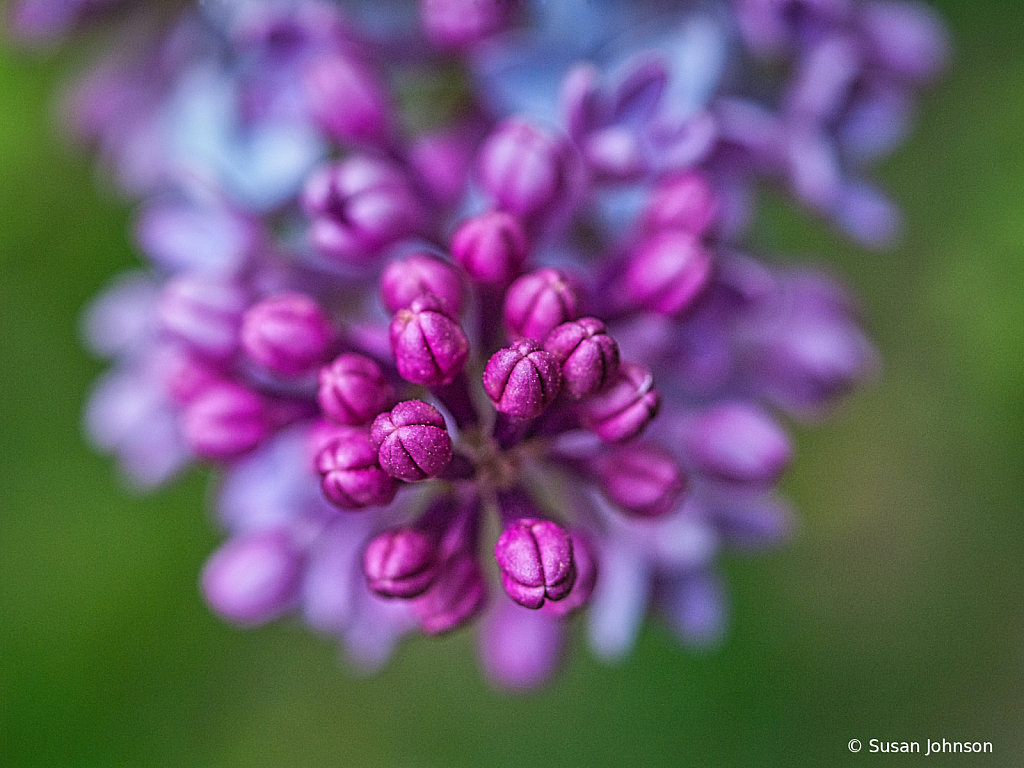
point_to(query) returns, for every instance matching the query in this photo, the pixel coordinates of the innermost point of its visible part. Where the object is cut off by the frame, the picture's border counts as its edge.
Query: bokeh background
(897, 614)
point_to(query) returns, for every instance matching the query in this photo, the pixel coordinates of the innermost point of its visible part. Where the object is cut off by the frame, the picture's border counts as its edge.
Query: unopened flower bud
(400, 562)
(226, 420)
(585, 562)
(347, 99)
(461, 23)
(413, 441)
(522, 380)
(407, 279)
(289, 334)
(535, 555)
(686, 201)
(667, 272)
(588, 356)
(353, 390)
(625, 408)
(538, 302)
(641, 478)
(430, 347)
(351, 477)
(252, 579)
(491, 247)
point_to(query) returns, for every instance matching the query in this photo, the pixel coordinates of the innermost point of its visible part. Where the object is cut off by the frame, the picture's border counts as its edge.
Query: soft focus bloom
(497, 353)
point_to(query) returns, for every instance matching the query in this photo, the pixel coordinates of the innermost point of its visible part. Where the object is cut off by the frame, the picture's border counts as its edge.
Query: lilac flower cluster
(456, 299)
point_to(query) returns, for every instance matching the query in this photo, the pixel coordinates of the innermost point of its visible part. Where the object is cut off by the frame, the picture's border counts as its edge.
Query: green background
(897, 614)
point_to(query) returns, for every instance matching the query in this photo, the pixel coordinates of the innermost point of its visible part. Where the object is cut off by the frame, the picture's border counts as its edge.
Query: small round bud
(667, 272)
(429, 346)
(588, 356)
(585, 563)
(538, 302)
(625, 408)
(226, 420)
(252, 579)
(685, 201)
(522, 380)
(400, 562)
(288, 334)
(642, 479)
(536, 561)
(347, 100)
(491, 247)
(351, 477)
(413, 441)
(353, 390)
(407, 279)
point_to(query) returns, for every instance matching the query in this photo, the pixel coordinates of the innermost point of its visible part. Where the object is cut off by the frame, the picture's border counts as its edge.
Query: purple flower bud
(288, 334)
(491, 247)
(347, 100)
(537, 302)
(738, 442)
(460, 23)
(204, 311)
(400, 562)
(430, 347)
(358, 207)
(458, 594)
(667, 272)
(585, 562)
(522, 380)
(413, 441)
(641, 478)
(353, 390)
(226, 420)
(252, 579)
(588, 356)
(351, 477)
(527, 171)
(535, 555)
(685, 201)
(624, 409)
(405, 280)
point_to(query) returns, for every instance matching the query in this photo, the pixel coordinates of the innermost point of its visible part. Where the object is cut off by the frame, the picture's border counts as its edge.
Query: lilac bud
(204, 311)
(460, 23)
(288, 334)
(226, 420)
(537, 302)
(526, 171)
(252, 579)
(535, 557)
(358, 207)
(400, 562)
(685, 201)
(405, 280)
(491, 247)
(413, 441)
(430, 347)
(585, 562)
(642, 479)
(589, 357)
(351, 477)
(353, 390)
(522, 380)
(738, 442)
(625, 408)
(347, 100)
(458, 594)
(667, 272)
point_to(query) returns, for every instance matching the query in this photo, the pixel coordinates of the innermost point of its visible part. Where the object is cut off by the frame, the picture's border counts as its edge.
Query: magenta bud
(585, 563)
(400, 562)
(536, 561)
(413, 441)
(626, 407)
(289, 334)
(642, 479)
(204, 311)
(527, 171)
(405, 280)
(458, 594)
(667, 272)
(226, 420)
(347, 100)
(738, 442)
(430, 347)
(252, 579)
(538, 302)
(685, 201)
(522, 380)
(588, 356)
(491, 247)
(359, 207)
(350, 476)
(461, 23)
(353, 390)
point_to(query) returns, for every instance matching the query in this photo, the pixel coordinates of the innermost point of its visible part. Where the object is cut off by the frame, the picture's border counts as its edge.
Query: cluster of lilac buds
(457, 299)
